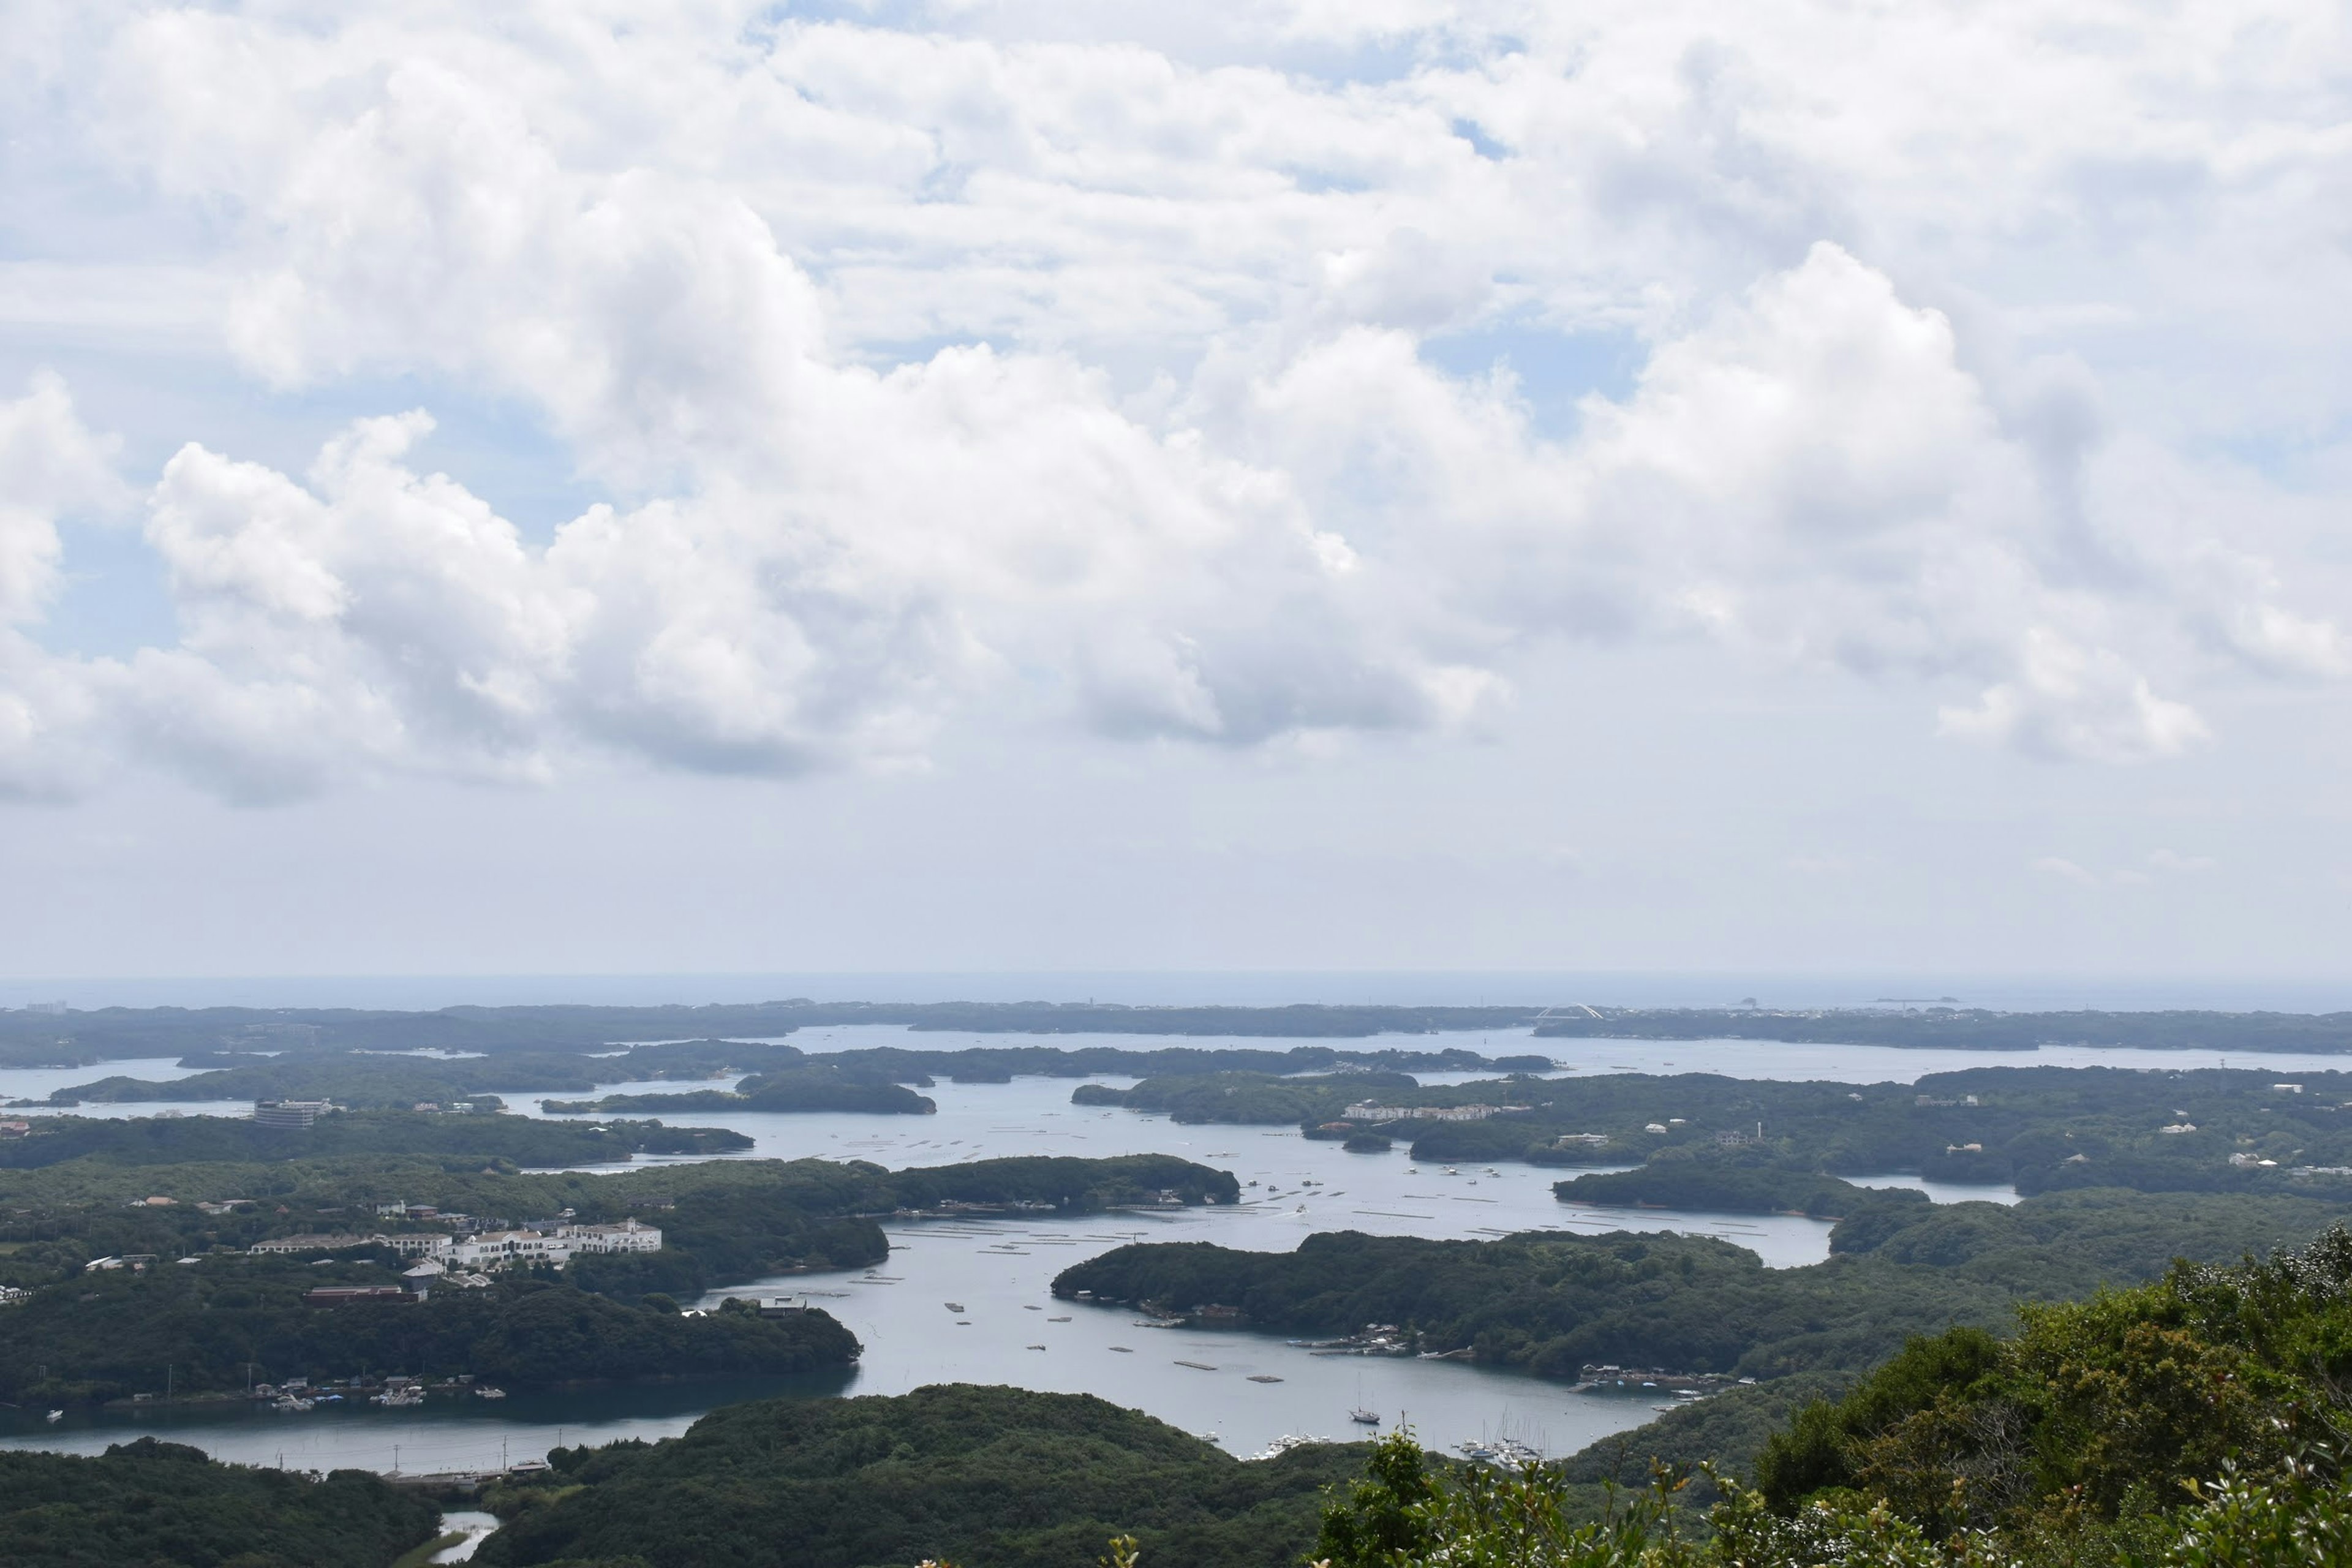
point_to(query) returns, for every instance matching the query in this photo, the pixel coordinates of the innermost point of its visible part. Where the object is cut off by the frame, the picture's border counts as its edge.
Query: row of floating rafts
(401, 1396)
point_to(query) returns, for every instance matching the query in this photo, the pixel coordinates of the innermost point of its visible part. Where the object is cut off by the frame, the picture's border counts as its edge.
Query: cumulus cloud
(1183, 468)
(2066, 871)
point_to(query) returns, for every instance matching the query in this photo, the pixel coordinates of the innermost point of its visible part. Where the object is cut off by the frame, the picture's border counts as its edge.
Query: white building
(1366, 1110)
(500, 1248)
(629, 1236)
(415, 1244)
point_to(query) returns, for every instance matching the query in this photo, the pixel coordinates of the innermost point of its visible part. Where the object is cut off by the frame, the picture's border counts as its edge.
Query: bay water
(970, 1300)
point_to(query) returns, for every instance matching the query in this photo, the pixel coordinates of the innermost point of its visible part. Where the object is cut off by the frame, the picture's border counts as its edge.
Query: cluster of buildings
(461, 1259)
(1367, 1110)
(290, 1113)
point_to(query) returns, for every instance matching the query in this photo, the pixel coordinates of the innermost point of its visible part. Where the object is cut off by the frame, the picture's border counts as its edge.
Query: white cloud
(2066, 871)
(1200, 481)
(2176, 864)
(2161, 863)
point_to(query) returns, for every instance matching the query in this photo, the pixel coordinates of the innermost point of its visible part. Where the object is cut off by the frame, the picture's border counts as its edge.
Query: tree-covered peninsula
(176, 1284)
(1757, 1144)
(996, 1475)
(481, 1136)
(223, 1327)
(1552, 1304)
(149, 1504)
(817, 1087)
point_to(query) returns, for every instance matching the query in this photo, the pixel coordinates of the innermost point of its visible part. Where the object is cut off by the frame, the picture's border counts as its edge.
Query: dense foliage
(2039, 1129)
(1403, 1513)
(222, 1324)
(2188, 1423)
(112, 1333)
(476, 1136)
(36, 1039)
(817, 1087)
(799, 1080)
(2110, 1407)
(163, 1505)
(1963, 1029)
(1551, 1303)
(998, 1476)
(1733, 1180)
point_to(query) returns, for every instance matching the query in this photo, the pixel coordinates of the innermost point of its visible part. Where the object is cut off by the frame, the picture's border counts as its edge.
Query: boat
(955, 1306)
(1123, 1350)
(56, 1416)
(1363, 1417)
(1282, 1446)
(488, 1393)
(1058, 1319)
(1196, 1365)
(1036, 1347)
(289, 1405)
(1263, 1377)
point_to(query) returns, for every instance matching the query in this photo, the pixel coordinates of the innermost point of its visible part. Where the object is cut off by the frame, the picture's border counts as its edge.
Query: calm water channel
(1005, 1326)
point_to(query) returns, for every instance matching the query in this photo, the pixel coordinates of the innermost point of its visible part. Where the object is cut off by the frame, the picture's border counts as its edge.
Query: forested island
(221, 1326)
(194, 1139)
(177, 1285)
(1949, 1027)
(149, 1502)
(817, 1087)
(31, 1038)
(1705, 1141)
(43, 1038)
(826, 1080)
(1552, 1304)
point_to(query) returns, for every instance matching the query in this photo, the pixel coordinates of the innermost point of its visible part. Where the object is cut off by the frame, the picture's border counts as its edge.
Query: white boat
(57, 1416)
(487, 1393)
(1363, 1417)
(289, 1405)
(1281, 1446)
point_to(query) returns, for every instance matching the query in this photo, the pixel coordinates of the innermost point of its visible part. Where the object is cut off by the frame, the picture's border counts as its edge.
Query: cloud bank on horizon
(1170, 375)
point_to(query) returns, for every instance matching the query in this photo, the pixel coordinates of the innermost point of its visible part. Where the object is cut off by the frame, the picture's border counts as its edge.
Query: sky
(577, 488)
